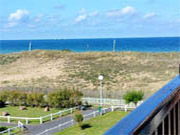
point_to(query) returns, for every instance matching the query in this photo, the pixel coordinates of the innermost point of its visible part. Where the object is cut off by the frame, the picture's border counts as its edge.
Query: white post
(60, 114)
(9, 131)
(94, 114)
(41, 121)
(9, 117)
(72, 122)
(26, 121)
(71, 110)
(125, 108)
(112, 108)
(51, 116)
(59, 127)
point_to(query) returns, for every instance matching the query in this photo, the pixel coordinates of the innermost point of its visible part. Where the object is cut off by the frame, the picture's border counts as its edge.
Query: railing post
(178, 117)
(94, 114)
(26, 121)
(72, 122)
(125, 108)
(51, 116)
(59, 127)
(9, 131)
(71, 110)
(41, 121)
(9, 119)
(60, 114)
(112, 108)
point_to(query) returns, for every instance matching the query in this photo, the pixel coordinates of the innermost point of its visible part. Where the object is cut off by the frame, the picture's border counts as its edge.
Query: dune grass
(123, 71)
(95, 126)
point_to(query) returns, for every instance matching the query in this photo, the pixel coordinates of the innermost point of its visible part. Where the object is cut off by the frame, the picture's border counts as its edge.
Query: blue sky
(49, 19)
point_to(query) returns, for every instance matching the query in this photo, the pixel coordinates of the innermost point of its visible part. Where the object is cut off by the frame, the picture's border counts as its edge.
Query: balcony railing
(158, 115)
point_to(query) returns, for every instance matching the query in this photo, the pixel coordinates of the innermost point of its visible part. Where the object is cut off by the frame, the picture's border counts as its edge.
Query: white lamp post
(100, 80)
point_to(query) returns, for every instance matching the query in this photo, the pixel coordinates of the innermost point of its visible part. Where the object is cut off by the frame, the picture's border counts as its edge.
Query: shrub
(35, 99)
(133, 96)
(64, 98)
(4, 96)
(78, 117)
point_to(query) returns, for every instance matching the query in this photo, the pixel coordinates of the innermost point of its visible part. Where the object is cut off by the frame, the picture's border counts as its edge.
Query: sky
(64, 19)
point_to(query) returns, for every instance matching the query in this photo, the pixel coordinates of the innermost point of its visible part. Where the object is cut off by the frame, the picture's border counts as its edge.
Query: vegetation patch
(95, 126)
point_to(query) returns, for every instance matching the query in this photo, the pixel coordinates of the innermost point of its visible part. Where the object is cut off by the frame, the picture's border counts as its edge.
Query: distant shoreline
(90, 51)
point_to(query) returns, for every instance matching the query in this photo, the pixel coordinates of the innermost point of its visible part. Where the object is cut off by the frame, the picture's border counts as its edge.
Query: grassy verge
(95, 126)
(13, 132)
(30, 112)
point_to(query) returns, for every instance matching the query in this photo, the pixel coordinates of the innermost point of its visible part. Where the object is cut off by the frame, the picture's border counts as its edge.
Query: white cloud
(21, 15)
(18, 15)
(121, 12)
(80, 18)
(149, 15)
(94, 13)
(84, 15)
(82, 11)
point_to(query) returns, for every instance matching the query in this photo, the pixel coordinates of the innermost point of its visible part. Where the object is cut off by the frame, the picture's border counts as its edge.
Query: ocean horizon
(151, 44)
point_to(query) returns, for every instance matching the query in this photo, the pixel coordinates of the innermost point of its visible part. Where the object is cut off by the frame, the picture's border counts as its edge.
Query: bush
(133, 96)
(19, 98)
(35, 99)
(4, 96)
(78, 117)
(64, 98)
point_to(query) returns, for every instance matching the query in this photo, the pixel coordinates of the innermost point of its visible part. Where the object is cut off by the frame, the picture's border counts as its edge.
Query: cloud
(20, 16)
(150, 15)
(128, 10)
(94, 13)
(82, 11)
(80, 18)
(84, 15)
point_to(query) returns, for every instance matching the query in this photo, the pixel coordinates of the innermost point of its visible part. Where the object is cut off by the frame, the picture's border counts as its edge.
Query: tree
(133, 96)
(78, 117)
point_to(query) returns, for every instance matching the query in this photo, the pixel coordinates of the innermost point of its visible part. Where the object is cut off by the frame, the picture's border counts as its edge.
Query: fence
(42, 118)
(108, 101)
(9, 130)
(72, 122)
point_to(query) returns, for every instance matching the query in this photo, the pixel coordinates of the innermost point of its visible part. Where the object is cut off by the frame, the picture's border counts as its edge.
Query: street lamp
(100, 80)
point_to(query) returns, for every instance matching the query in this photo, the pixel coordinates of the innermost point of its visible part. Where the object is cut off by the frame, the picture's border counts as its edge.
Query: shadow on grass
(85, 126)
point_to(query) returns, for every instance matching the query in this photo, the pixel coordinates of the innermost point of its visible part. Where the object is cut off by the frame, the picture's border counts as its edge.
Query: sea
(158, 44)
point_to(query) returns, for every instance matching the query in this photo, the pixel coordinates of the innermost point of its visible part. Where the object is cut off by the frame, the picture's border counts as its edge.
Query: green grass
(30, 112)
(13, 132)
(95, 126)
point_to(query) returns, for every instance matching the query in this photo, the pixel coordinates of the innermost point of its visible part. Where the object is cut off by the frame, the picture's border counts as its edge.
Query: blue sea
(163, 44)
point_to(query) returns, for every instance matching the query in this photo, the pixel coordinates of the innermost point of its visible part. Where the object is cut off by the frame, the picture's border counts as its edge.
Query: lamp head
(100, 77)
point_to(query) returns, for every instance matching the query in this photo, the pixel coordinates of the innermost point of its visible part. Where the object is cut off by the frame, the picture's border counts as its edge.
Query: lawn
(13, 132)
(30, 112)
(95, 126)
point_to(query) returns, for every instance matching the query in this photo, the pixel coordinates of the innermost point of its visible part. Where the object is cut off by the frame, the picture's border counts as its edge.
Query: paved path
(36, 129)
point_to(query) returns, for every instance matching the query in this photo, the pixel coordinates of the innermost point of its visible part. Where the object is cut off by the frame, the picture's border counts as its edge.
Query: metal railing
(158, 115)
